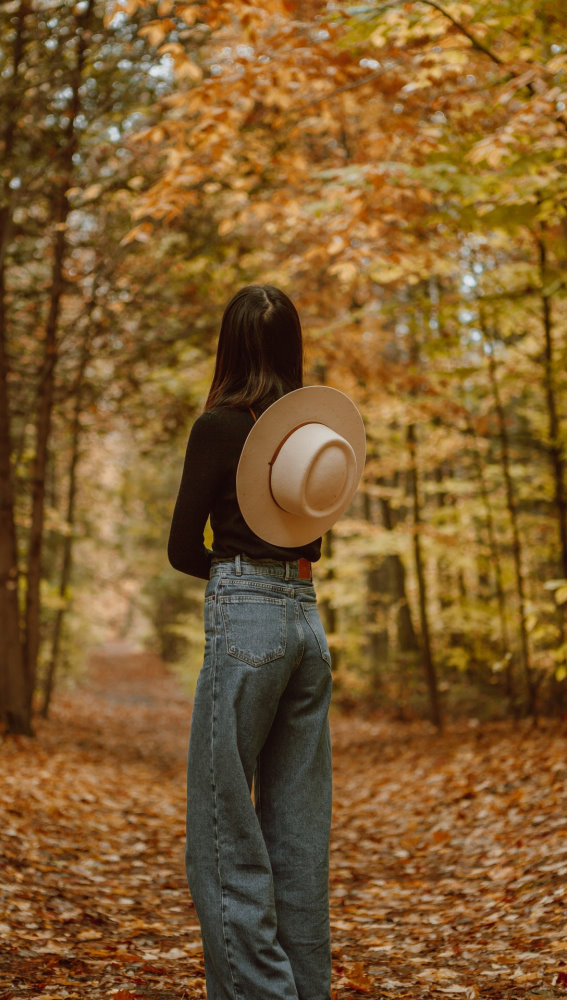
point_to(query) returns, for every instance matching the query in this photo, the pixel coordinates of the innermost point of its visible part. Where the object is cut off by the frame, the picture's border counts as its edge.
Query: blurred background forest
(400, 169)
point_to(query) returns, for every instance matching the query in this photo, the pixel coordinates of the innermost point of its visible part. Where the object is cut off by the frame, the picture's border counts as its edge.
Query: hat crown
(300, 465)
(313, 471)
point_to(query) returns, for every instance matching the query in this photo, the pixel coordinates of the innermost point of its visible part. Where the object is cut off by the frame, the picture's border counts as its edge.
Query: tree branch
(380, 72)
(475, 42)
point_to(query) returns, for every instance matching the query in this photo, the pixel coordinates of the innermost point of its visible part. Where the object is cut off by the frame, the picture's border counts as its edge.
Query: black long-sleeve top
(208, 487)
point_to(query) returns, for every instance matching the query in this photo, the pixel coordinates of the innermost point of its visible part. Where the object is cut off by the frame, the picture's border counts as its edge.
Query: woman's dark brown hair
(260, 349)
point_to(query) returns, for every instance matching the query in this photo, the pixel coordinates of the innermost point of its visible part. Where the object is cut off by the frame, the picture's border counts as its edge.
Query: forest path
(449, 853)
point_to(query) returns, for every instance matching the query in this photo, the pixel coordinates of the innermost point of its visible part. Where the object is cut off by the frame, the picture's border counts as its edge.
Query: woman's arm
(202, 472)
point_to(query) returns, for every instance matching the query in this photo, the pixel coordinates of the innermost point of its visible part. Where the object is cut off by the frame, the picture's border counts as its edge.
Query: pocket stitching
(243, 655)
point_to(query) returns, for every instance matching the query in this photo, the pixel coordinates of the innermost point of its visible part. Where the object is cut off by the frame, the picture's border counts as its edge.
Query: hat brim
(312, 404)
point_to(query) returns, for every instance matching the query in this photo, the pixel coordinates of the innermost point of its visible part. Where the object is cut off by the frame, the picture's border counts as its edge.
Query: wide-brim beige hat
(300, 465)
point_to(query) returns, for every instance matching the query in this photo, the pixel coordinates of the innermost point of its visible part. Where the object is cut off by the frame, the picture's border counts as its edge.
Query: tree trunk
(376, 628)
(377, 637)
(46, 388)
(328, 611)
(445, 589)
(70, 520)
(46, 392)
(406, 637)
(517, 549)
(430, 669)
(556, 453)
(496, 565)
(14, 705)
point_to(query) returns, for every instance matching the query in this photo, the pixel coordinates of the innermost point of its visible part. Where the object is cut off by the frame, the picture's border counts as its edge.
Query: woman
(258, 873)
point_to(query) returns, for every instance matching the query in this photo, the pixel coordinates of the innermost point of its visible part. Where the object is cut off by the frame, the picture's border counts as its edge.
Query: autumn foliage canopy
(397, 167)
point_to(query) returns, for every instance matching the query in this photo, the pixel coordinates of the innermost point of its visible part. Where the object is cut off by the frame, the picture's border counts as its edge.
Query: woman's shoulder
(221, 419)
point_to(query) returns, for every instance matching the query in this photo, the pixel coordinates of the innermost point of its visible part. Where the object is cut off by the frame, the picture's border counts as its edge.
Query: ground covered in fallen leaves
(449, 853)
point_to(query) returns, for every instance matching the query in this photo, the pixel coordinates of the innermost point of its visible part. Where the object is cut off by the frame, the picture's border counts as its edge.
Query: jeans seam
(324, 655)
(257, 790)
(301, 644)
(215, 813)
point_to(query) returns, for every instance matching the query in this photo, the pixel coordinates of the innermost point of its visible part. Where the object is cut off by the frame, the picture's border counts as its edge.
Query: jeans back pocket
(254, 628)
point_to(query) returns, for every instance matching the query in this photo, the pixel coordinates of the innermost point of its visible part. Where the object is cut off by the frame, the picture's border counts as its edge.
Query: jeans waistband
(297, 569)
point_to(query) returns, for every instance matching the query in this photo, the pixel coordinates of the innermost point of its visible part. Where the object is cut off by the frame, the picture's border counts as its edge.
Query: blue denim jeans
(259, 871)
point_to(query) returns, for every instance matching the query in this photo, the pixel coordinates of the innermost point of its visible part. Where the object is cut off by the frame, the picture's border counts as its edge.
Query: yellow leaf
(386, 272)
(188, 13)
(172, 49)
(377, 38)
(225, 227)
(336, 245)
(345, 270)
(92, 192)
(140, 233)
(155, 31)
(186, 69)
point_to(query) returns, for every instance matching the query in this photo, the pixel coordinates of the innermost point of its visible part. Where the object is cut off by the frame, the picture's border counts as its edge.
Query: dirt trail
(449, 853)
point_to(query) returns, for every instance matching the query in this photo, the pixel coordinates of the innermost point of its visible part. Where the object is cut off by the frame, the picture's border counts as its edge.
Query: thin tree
(495, 563)
(517, 547)
(14, 704)
(67, 559)
(427, 650)
(46, 387)
(556, 451)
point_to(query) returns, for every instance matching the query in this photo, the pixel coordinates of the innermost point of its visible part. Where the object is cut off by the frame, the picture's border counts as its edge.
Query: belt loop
(287, 572)
(237, 565)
